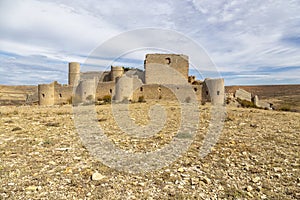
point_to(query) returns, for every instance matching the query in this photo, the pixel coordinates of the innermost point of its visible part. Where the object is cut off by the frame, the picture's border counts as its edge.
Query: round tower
(86, 90)
(216, 90)
(116, 72)
(46, 94)
(74, 73)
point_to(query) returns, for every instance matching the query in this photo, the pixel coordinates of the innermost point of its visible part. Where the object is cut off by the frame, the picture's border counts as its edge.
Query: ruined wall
(46, 94)
(74, 73)
(62, 94)
(105, 88)
(153, 92)
(156, 73)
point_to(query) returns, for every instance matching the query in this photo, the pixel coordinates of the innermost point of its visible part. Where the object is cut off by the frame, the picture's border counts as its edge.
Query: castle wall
(104, 89)
(74, 73)
(63, 94)
(46, 94)
(155, 72)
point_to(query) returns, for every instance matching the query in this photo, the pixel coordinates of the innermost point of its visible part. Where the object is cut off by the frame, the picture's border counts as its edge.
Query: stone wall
(159, 68)
(63, 94)
(104, 89)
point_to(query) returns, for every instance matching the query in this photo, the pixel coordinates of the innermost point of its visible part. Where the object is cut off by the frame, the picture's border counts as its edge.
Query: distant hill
(17, 94)
(267, 91)
(282, 96)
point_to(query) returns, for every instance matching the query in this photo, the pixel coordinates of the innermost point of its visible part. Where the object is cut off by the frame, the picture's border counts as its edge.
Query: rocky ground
(43, 157)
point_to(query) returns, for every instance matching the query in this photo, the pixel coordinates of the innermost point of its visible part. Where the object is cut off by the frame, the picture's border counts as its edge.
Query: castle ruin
(163, 75)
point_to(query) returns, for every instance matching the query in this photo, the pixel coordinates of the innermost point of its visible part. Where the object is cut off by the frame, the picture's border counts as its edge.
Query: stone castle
(163, 75)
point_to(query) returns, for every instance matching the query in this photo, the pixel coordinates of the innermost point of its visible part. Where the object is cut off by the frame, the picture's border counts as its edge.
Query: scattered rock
(16, 129)
(256, 179)
(249, 188)
(32, 188)
(55, 124)
(97, 176)
(278, 169)
(254, 125)
(205, 180)
(180, 169)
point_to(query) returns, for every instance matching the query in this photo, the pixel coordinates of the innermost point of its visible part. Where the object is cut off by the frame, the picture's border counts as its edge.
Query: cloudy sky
(250, 41)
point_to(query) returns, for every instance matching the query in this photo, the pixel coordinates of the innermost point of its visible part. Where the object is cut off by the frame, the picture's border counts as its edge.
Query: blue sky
(250, 41)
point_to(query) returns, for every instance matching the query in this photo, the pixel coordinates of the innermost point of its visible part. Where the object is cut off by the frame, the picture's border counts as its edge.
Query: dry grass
(257, 156)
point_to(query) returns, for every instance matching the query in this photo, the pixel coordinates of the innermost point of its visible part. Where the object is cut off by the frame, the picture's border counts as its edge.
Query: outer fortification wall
(105, 89)
(63, 94)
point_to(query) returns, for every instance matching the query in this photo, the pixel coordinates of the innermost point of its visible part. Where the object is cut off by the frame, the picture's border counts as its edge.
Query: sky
(251, 42)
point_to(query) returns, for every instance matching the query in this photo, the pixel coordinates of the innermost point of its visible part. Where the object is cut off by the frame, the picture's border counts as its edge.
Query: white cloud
(239, 35)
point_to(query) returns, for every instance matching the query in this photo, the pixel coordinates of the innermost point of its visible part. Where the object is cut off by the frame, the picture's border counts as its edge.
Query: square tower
(166, 68)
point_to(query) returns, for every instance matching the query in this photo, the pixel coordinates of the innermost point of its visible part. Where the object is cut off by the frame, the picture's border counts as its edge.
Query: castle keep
(164, 76)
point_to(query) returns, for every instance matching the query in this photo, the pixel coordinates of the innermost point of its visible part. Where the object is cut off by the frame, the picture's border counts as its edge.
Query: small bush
(141, 99)
(246, 104)
(285, 108)
(107, 98)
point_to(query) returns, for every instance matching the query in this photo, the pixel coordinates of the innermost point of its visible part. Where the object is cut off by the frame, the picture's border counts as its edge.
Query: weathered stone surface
(243, 95)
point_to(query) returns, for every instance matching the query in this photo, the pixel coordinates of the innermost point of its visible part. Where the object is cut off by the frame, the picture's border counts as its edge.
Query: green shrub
(141, 99)
(285, 108)
(246, 104)
(107, 98)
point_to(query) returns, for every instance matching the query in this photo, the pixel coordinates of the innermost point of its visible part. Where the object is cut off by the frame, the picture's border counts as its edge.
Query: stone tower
(46, 94)
(214, 91)
(166, 68)
(74, 73)
(116, 71)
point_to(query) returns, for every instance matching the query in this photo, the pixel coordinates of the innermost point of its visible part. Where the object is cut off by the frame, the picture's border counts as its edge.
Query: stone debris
(97, 176)
(256, 156)
(243, 95)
